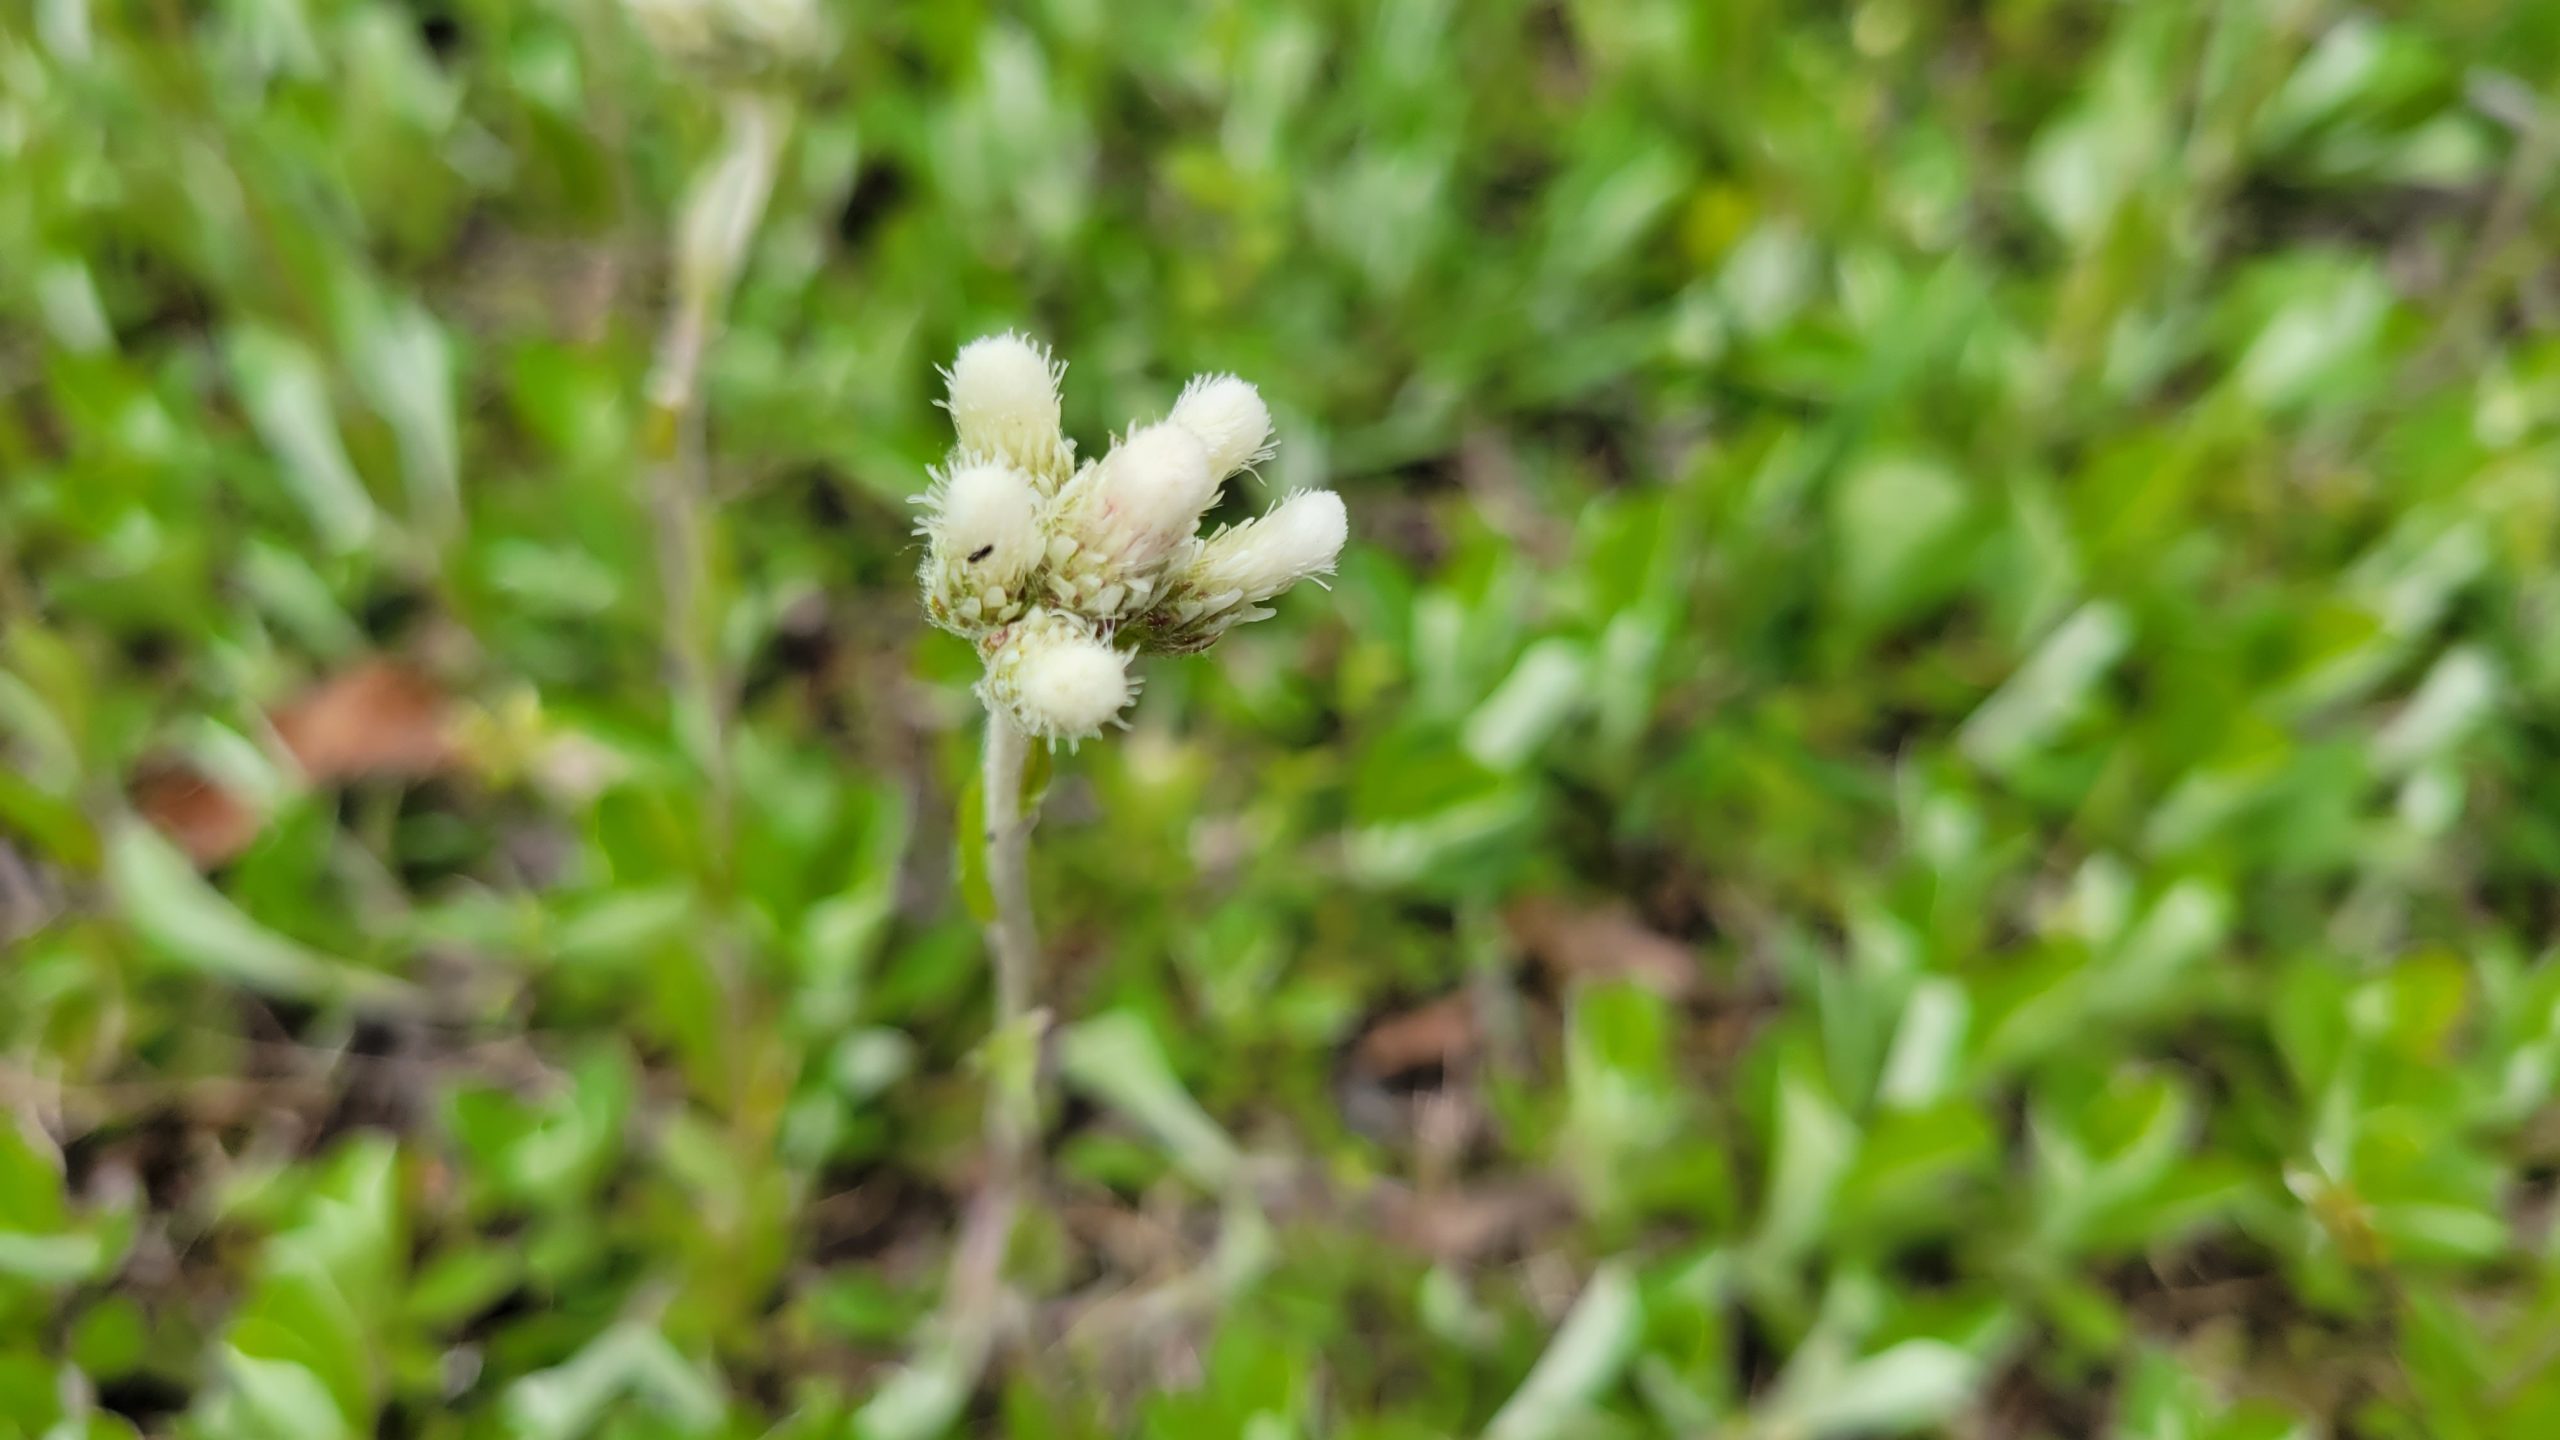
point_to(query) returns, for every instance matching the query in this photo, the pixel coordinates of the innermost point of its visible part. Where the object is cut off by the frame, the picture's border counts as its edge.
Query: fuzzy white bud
(1056, 679)
(983, 524)
(990, 518)
(1003, 400)
(1117, 522)
(1229, 417)
(1258, 559)
(1150, 495)
(1223, 580)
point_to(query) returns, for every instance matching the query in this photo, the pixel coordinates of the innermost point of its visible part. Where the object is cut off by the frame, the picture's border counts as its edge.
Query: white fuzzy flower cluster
(1062, 573)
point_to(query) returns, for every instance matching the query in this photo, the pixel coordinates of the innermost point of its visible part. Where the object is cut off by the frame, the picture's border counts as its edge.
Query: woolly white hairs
(1229, 417)
(1003, 399)
(1111, 550)
(989, 519)
(982, 527)
(1258, 559)
(1056, 679)
(1117, 522)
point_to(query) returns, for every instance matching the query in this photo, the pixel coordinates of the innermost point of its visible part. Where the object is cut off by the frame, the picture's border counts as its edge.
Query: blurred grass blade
(921, 1400)
(1540, 694)
(1928, 1044)
(1115, 1059)
(192, 925)
(1816, 1143)
(2458, 693)
(71, 1258)
(1908, 1388)
(1590, 1350)
(277, 1397)
(67, 296)
(405, 365)
(629, 1359)
(41, 1242)
(287, 396)
(2042, 696)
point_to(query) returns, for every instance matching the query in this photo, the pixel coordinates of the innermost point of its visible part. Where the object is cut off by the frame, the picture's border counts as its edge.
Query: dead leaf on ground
(1471, 1224)
(207, 822)
(1442, 1032)
(381, 718)
(1605, 942)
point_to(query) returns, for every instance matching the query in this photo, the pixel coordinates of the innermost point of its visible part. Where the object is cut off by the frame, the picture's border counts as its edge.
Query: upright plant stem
(1011, 935)
(923, 1398)
(713, 231)
(1012, 1057)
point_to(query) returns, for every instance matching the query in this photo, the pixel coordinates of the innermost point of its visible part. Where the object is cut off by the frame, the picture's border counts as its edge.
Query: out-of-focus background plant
(1925, 804)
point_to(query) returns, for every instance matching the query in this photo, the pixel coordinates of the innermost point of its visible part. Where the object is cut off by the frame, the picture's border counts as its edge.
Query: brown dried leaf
(379, 719)
(1471, 1224)
(1442, 1032)
(1606, 942)
(209, 823)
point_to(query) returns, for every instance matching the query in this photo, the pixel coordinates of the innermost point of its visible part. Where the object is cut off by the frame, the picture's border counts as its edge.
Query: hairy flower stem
(924, 1397)
(1013, 1108)
(1011, 936)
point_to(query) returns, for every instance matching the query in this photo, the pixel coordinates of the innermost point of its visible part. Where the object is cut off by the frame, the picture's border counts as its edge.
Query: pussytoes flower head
(983, 525)
(1258, 559)
(1056, 679)
(1224, 579)
(1003, 399)
(1062, 574)
(1229, 417)
(1117, 522)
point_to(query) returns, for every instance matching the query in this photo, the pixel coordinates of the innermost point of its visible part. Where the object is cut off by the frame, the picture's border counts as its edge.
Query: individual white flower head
(1229, 417)
(1227, 576)
(1118, 521)
(983, 531)
(1258, 559)
(1003, 399)
(1056, 679)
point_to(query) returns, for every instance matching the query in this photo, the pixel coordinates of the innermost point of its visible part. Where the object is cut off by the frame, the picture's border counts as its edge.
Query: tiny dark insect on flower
(982, 552)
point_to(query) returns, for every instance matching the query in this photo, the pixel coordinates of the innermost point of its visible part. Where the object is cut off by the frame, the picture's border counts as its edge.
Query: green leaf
(1038, 764)
(628, 1360)
(287, 396)
(1115, 1058)
(1908, 1387)
(405, 365)
(191, 925)
(2049, 689)
(278, 1397)
(1589, 1351)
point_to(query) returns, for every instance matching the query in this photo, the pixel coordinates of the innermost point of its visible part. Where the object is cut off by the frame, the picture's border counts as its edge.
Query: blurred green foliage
(2015, 538)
